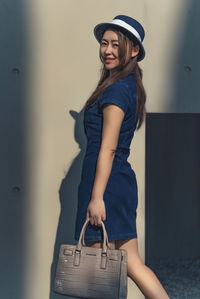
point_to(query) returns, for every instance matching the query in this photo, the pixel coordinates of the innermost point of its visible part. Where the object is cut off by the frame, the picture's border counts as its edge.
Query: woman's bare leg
(142, 275)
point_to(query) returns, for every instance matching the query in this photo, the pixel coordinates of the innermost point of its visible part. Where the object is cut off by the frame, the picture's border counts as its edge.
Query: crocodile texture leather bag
(88, 272)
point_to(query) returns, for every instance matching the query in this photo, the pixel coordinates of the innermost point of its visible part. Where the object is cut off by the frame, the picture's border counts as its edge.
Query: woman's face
(109, 50)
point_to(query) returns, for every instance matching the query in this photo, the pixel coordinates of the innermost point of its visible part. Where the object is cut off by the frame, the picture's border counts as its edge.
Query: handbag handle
(82, 235)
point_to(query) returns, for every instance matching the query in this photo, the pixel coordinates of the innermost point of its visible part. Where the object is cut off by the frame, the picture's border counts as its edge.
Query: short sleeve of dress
(118, 94)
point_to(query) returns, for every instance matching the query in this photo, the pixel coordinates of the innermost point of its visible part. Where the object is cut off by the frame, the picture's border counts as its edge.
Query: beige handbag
(88, 272)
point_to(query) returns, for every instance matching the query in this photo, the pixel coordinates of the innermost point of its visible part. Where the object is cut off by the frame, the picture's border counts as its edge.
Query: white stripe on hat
(127, 26)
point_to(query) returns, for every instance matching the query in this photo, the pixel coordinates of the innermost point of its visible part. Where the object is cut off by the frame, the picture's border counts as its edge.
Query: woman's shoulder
(128, 81)
(125, 85)
(116, 89)
(119, 93)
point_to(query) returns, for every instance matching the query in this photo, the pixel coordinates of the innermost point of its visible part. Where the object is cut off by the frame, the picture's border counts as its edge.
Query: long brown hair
(122, 70)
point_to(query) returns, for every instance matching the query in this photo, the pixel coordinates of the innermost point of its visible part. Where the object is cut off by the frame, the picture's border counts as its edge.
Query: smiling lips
(108, 60)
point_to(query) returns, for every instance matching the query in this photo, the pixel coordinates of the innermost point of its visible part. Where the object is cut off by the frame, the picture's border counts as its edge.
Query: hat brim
(100, 29)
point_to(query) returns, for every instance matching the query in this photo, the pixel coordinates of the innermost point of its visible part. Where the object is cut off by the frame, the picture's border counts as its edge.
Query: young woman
(108, 189)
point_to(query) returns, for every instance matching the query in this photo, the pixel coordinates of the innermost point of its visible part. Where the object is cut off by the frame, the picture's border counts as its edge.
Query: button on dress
(121, 193)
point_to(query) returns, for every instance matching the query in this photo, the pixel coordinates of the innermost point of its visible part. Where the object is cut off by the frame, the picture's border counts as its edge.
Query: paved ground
(180, 278)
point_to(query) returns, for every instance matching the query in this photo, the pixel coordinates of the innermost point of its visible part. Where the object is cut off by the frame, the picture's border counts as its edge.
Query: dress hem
(111, 238)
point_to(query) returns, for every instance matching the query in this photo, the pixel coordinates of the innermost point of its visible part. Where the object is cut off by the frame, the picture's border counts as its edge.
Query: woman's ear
(135, 51)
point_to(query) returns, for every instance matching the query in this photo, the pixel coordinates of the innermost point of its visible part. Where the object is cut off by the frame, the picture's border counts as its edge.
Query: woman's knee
(127, 244)
(131, 247)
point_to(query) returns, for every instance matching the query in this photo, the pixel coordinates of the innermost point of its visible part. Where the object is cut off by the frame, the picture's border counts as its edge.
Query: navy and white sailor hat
(126, 25)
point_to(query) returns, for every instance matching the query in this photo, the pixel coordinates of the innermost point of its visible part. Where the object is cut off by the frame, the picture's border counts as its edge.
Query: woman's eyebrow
(112, 40)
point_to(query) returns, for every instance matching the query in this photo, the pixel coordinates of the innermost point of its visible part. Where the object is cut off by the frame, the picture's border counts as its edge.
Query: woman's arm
(112, 119)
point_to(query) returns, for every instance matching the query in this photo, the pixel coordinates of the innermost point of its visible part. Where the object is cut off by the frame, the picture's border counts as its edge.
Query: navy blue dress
(121, 193)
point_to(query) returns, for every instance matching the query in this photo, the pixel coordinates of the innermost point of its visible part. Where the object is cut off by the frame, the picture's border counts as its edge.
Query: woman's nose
(108, 49)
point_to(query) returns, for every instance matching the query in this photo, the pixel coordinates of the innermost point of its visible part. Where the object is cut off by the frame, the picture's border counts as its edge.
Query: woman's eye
(103, 43)
(115, 45)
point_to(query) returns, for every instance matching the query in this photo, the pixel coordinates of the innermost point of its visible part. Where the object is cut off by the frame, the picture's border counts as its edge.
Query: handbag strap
(82, 235)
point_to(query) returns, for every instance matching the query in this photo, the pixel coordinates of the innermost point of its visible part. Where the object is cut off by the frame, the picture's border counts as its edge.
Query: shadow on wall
(177, 135)
(69, 198)
(172, 172)
(13, 62)
(172, 187)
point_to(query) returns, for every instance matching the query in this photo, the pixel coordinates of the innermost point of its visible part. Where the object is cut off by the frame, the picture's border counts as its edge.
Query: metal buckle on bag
(77, 256)
(103, 260)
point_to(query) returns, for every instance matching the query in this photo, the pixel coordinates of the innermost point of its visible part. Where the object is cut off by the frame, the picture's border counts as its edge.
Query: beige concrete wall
(63, 70)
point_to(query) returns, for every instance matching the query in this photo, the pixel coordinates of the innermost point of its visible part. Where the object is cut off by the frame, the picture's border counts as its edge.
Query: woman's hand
(96, 211)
